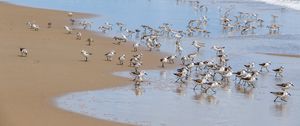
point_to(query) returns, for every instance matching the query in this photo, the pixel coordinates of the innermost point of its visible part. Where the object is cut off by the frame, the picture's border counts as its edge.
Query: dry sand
(53, 67)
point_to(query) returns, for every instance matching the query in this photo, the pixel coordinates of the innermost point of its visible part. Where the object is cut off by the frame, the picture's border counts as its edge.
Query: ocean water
(294, 4)
(160, 101)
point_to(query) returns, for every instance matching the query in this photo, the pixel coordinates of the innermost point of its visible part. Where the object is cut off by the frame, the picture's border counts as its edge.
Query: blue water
(160, 101)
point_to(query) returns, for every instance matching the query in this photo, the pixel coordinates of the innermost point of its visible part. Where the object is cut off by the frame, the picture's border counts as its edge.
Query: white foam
(293, 4)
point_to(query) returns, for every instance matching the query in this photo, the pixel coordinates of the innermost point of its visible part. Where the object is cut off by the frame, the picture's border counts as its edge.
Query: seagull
(85, 54)
(265, 65)
(281, 94)
(23, 52)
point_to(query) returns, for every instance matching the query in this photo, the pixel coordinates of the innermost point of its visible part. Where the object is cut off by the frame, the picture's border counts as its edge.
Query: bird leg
(275, 99)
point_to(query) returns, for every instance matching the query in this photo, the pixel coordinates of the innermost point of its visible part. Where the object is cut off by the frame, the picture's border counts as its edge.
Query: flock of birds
(212, 73)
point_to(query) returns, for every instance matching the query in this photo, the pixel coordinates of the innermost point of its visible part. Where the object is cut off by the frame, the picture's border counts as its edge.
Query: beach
(53, 85)
(53, 67)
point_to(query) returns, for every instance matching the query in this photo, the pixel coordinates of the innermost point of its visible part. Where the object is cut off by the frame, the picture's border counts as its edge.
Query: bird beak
(289, 94)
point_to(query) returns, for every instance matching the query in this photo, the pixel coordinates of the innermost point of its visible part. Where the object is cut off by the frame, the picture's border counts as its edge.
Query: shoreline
(53, 67)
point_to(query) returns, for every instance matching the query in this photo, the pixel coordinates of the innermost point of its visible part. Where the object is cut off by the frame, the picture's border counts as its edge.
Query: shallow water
(160, 101)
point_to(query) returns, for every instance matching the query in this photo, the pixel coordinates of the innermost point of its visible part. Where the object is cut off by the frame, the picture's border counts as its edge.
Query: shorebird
(212, 86)
(78, 35)
(286, 85)
(163, 61)
(281, 94)
(181, 75)
(219, 50)
(35, 27)
(199, 82)
(69, 30)
(192, 56)
(90, 40)
(122, 59)
(109, 55)
(171, 58)
(23, 52)
(120, 39)
(249, 66)
(70, 14)
(49, 24)
(85, 54)
(135, 47)
(265, 65)
(279, 71)
(198, 45)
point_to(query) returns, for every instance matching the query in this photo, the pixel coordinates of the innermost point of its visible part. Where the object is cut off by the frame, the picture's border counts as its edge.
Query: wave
(293, 4)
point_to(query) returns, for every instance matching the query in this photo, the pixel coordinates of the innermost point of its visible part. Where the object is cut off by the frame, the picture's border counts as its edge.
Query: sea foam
(293, 4)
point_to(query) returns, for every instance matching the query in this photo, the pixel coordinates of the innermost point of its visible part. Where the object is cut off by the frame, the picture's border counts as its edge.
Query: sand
(53, 67)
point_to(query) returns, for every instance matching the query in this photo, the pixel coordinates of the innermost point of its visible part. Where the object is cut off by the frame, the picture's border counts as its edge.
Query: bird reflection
(138, 90)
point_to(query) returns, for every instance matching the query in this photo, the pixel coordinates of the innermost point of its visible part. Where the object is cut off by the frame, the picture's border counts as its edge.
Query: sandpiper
(285, 85)
(279, 71)
(281, 94)
(265, 65)
(85, 54)
(109, 55)
(23, 52)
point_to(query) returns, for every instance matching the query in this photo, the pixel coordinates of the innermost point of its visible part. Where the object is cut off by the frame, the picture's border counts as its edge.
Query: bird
(122, 58)
(135, 47)
(281, 94)
(198, 45)
(249, 66)
(23, 52)
(85, 54)
(264, 65)
(192, 56)
(68, 29)
(211, 86)
(163, 61)
(285, 85)
(109, 55)
(279, 71)
(90, 40)
(199, 82)
(78, 35)
(171, 58)
(70, 14)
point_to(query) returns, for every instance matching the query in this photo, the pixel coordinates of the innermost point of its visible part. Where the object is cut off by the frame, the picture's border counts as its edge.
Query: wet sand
(284, 55)
(53, 67)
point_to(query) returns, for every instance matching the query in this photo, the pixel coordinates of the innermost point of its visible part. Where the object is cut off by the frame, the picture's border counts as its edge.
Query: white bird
(69, 30)
(122, 59)
(171, 58)
(198, 45)
(23, 52)
(109, 55)
(163, 61)
(135, 46)
(78, 35)
(70, 14)
(85, 54)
